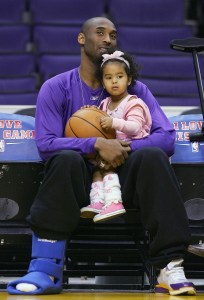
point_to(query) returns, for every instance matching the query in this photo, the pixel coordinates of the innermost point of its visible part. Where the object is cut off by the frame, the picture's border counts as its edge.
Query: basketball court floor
(101, 296)
(78, 292)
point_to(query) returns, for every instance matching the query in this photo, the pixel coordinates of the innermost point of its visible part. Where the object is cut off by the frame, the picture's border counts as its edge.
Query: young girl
(131, 119)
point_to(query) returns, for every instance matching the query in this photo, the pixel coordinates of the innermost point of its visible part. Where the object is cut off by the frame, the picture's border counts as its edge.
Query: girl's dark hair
(132, 71)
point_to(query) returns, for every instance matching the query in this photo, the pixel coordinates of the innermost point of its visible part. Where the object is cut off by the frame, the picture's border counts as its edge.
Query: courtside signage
(186, 151)
(17, 138)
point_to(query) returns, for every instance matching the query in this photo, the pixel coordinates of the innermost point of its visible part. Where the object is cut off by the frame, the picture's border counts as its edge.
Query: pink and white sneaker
(96, 201)
(91, 210)
(110, 211)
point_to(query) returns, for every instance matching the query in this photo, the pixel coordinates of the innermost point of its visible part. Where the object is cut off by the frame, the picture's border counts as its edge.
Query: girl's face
(115, 79)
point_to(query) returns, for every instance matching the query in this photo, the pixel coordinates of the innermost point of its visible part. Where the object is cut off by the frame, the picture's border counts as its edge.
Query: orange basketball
(85, 123)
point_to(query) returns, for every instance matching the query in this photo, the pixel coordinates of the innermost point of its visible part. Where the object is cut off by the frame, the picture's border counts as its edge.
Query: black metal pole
(199, 79)
(198, 136)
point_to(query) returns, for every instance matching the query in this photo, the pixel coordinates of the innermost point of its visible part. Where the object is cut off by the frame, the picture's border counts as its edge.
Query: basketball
(85, 123)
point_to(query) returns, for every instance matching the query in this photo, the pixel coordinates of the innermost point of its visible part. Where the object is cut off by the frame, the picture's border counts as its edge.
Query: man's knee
(68, 154)
(152, 152)
(65, 158)
(151, 155)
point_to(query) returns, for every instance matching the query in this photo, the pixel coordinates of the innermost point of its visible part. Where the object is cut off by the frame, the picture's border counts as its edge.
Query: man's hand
(88, 106)
(114, 152)
(102, 164)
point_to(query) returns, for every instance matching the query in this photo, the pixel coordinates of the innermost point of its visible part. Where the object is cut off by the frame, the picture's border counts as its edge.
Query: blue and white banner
(17, 139)
(186, 151)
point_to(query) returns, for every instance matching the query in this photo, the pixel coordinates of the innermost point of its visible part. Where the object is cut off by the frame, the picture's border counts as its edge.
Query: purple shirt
(60, 96)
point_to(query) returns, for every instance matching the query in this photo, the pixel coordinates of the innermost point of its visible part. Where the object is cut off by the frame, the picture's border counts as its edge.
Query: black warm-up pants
(148, 182)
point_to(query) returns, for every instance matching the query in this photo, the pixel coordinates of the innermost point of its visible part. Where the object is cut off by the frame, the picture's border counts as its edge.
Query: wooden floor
(101, 296)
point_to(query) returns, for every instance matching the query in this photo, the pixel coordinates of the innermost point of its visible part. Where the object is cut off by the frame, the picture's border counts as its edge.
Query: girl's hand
(106, 122)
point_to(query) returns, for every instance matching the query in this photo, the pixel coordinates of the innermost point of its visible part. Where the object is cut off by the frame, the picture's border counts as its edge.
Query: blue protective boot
(48, 261)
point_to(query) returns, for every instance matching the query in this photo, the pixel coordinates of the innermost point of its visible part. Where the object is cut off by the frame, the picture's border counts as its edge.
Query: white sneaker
(172, 280)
